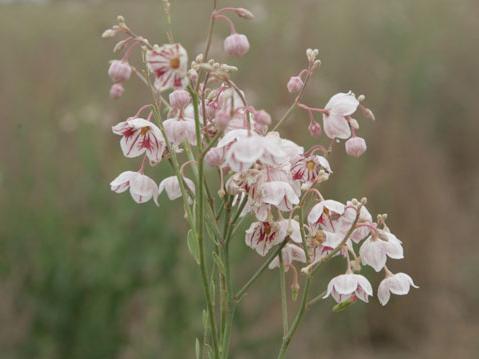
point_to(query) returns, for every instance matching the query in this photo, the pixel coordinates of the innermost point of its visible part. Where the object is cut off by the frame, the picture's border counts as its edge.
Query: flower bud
(244, 13)
(355, 146)
(179, 99)
(314, 129)
(236, 45)
(116, 90)
(295, 84)
(108, 33)
(119, 71)
(214, 157)
(260, 128)
(262, 117)
(222, 118)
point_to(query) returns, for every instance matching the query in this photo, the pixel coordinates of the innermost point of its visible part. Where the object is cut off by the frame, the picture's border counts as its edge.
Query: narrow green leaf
(219, 263)
(193, 246)
(197, 349)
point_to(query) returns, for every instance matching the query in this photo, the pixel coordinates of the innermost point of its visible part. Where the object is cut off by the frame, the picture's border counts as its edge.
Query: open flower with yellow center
(169, 65)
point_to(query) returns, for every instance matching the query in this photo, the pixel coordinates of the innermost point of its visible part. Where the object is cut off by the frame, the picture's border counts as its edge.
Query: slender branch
(284, 299)
(242, 291)
(296, 100)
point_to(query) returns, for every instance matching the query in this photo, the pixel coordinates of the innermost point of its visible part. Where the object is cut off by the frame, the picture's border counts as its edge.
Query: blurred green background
(85, 273)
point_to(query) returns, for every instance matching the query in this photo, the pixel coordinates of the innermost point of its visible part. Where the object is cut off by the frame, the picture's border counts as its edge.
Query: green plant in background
(207, 127)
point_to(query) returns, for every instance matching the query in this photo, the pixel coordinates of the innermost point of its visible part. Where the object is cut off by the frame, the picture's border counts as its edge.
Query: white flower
(142, 188)
(307, 169)
(338, 109)
(140, 136)
(325, 211)
(398, 284)
(279, 194)
(289, 253)
(323, 242)
(172, 187)
(349, 286)
(262, 236)
(180, 129)
(374, 251)
(169, 65)
(244, 152)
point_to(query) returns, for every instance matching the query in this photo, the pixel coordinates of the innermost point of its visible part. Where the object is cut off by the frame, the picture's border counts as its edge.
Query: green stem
(284, 299)
(260, 270)
(200, 229)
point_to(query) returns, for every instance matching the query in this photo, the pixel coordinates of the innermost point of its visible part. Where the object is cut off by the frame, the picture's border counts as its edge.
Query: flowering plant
(207, 126)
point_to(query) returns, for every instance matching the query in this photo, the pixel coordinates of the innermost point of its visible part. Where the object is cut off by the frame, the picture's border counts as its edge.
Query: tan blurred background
(85, 273)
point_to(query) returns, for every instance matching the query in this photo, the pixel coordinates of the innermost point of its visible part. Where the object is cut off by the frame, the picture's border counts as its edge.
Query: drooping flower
(374, 251)
(119, 71)
(279, 194)
(295, 84)
(179, 129)
(179, 99)
(244, 152)
(236, 45)
(142, 188)
(140, 136)
(323, 242)
(290, 253)
(325, 212)
(349, 286)
(335, 119)
(263, 235)
(399, 284)
(169, 65)
(355, 146)
(172, 187)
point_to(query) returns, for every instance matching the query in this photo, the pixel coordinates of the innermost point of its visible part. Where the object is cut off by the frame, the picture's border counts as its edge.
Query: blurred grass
(87, 274)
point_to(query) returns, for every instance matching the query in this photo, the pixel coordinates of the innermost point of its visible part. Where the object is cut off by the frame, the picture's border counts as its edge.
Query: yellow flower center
(310, 165)
(175, 63)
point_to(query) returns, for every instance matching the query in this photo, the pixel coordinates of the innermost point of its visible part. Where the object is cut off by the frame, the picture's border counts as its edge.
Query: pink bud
(222, 118)
(236, 45)
(116, 90)
(179, 99)
(119, 71)
(214, 157)
(260, 128)
(295, 84)
(314, 129)
(262, 117)
(355, 146)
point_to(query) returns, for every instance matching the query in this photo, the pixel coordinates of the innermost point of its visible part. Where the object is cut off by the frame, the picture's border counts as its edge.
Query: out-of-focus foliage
(85, 273)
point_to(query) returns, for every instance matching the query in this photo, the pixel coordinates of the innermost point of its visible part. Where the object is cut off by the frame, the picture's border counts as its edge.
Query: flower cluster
(207, 125)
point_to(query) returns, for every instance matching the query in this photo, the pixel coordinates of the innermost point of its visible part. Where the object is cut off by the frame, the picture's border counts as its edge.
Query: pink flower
(290, 253)
(307, 169)
(169, 65)
(262, 117)
(116, 91)
(295, 84)
(172, 187)
(179, 99)
(349, 286)
(323, 242)
(236, 45)
(340, 107)
(399, 284)
(245, 151)
(119, 71)
(314, 129)
(140, 136)
(325, 211)
(262, 236)
(279, 194)
(355, 146)
(374, 251)
(180, 129)
(142, 188)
